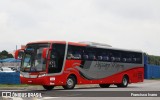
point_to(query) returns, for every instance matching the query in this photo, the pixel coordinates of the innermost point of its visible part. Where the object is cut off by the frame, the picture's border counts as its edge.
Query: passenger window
(92, 56)
(74, 52)
(85, 57)
(129, 60)
(116, 56)
(70, 55)
(100, 58)
(124, 60)
(106, 58)
(77, 55)
(118, 59)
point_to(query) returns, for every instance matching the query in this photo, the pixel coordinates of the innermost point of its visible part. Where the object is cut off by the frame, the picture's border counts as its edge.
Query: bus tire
(124, 82)
(104, 85)
(47, 87)
(71, 82)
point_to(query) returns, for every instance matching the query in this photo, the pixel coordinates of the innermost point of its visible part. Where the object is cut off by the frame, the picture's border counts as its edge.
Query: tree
(4, 54)
(155, 60)
(10, 56)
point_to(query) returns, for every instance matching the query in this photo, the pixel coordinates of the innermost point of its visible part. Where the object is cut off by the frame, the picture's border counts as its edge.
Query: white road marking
(12, 98)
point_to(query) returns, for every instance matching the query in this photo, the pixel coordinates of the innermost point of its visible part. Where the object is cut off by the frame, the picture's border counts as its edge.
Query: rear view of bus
(60, 63)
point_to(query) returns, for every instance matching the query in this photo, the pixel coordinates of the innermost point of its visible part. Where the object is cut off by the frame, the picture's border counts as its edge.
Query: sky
(126, 24)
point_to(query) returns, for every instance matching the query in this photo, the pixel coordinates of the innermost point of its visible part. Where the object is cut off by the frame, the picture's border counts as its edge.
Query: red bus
(61, 63)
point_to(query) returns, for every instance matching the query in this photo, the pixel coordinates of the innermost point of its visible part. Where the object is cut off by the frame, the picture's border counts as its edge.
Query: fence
(9, 78)
(151, 71)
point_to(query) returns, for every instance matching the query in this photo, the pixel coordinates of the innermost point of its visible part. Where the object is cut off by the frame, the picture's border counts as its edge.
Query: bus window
(125, 57)
(85, 57)
(74, 52)
(105, 56)
(124, 60)
(70, 55)
(138, 58)
(131, 57)
(89, 54)
(92, 56)
(115, 56)
(77, 55)
(100, 58)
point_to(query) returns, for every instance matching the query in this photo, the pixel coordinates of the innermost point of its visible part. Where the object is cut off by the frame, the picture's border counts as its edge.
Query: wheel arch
(73, 75)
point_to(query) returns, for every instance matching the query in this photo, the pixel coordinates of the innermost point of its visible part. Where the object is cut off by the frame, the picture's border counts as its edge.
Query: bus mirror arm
(45, 53)
(19, 54)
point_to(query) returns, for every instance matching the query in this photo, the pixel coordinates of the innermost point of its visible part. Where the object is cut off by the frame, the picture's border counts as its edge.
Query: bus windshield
(32, 59)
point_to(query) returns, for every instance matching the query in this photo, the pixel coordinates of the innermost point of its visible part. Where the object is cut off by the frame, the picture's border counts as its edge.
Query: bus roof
(47, 42)
(89, 44)
(106, 46)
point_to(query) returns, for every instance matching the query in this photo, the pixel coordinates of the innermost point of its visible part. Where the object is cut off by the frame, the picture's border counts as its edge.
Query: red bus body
(134, 72)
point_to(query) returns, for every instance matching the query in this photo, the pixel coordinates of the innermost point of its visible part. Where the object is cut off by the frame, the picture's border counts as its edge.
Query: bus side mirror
(19, 54)
(45, 53)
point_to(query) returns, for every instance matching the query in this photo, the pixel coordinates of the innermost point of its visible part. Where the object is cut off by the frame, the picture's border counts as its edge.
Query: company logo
(20, 94)
(107, 65)
(6, 94)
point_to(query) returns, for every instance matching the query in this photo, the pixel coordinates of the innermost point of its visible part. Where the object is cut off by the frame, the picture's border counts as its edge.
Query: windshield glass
(32, 59)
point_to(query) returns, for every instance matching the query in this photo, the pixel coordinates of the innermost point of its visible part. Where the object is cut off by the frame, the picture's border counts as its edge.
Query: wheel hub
(125, 81)
(70, 82)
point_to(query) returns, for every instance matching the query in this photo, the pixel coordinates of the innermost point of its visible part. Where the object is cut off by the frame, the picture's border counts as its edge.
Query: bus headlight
(41, 75)
(21, 75)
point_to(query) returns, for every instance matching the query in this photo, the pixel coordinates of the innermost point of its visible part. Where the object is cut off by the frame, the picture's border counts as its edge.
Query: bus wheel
(124, 83)
(104, 85)
(47, 87)
(71, 82)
